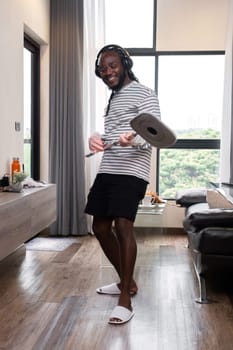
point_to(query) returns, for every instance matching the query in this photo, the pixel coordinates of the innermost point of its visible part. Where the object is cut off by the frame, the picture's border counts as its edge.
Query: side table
(150, 216)
(153, 209)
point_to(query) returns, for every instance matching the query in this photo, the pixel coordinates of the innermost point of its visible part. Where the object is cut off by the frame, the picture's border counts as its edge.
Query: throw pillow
(217, 199)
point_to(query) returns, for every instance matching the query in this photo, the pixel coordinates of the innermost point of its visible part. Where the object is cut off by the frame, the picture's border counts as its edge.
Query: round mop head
(153, 130)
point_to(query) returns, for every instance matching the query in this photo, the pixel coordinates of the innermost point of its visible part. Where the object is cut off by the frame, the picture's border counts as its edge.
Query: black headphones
(124, 55)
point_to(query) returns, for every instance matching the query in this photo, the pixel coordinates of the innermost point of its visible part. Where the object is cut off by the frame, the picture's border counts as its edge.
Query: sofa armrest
(197, 220)
(212, 240)
(187, 197)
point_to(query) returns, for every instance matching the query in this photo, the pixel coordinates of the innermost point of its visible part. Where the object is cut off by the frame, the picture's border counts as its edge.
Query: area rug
(56, 244)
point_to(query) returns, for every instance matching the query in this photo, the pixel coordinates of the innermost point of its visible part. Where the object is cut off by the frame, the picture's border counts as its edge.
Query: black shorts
(115, 196)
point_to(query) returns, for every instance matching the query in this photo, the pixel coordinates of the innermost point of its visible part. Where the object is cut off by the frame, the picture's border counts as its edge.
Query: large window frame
(211, 144)
(188, 144)
(34, 49)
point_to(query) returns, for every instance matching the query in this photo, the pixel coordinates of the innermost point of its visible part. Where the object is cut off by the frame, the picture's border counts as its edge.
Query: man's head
(113, 65)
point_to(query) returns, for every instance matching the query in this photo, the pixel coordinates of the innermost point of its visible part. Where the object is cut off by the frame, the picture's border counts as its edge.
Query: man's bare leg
(102, 228)
(128, 253)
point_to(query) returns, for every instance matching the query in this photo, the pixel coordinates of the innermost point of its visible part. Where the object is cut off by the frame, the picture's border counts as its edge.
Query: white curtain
(94, 92)
(227, 127)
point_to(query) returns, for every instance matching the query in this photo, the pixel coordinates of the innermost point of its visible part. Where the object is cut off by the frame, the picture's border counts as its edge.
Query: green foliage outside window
(188, 168)
(198, 134)
(27, 158)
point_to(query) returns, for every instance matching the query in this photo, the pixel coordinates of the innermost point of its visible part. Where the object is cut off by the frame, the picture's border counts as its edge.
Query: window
(31, 108)
(144, 68)
(189, 85)
(129, 23)
(190, 89)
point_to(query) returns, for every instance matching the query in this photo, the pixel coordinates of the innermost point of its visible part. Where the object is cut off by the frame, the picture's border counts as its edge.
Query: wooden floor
(48, 300)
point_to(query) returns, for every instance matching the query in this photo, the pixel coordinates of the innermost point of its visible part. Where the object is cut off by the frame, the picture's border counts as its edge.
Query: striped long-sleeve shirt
(126, 104)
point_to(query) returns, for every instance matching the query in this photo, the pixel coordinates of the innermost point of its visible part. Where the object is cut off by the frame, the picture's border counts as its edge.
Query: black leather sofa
(210, 236)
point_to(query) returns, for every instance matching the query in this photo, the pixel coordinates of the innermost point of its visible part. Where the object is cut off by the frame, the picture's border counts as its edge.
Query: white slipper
(122, 314)
(111, 289)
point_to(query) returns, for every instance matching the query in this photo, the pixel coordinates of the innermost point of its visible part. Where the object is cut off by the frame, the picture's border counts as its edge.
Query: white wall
(15, 18)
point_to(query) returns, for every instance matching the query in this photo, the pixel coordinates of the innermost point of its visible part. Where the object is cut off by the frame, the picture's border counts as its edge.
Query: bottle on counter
(15, 166)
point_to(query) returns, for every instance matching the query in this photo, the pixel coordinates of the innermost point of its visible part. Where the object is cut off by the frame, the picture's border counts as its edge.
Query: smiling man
(123, 174)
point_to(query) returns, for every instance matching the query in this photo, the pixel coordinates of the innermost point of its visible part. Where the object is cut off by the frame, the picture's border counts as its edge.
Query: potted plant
(17, 181)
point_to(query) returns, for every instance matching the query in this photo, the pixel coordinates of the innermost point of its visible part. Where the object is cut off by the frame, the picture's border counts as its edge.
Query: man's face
(112, 71)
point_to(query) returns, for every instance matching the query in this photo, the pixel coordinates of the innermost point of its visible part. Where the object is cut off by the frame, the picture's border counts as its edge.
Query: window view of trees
(198, 134)
(187, 168)
(180, 169)
(190, 89)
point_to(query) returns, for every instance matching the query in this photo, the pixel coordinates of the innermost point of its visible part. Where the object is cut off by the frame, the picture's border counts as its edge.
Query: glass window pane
(129, 23)
(144, 69)
(27, 94)
(27, 158)
(190, 90)
(186, 168)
